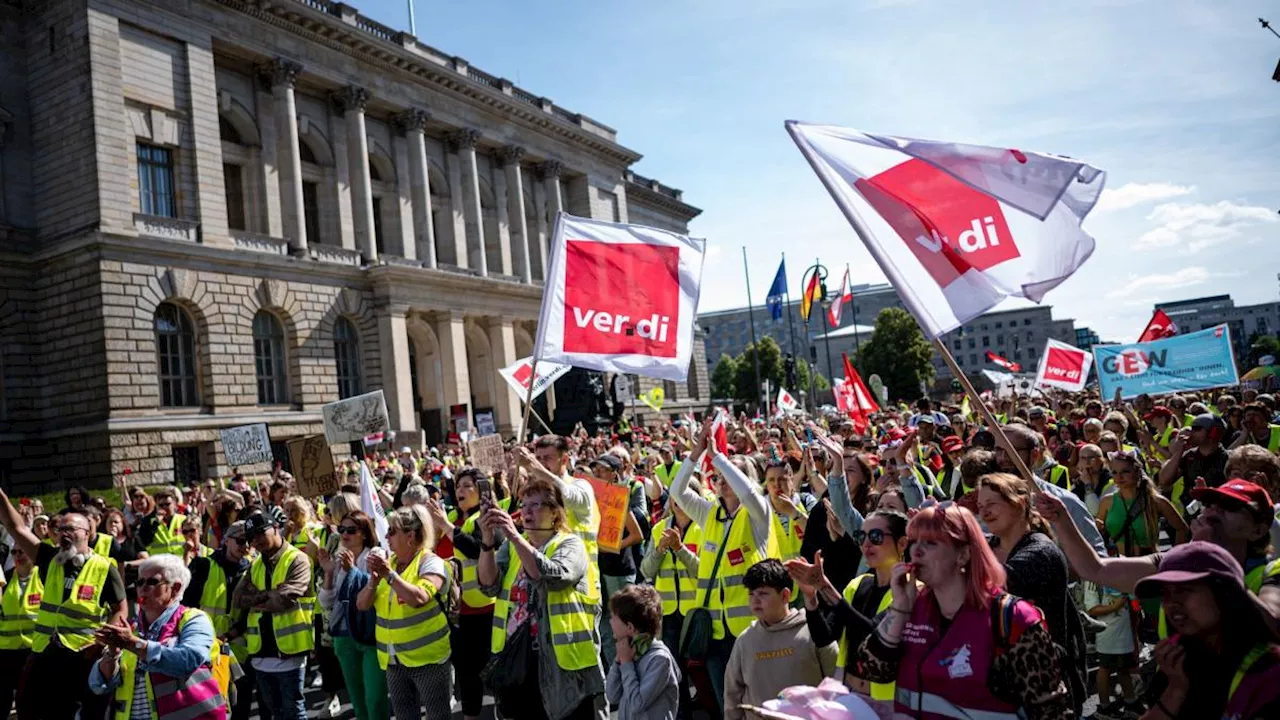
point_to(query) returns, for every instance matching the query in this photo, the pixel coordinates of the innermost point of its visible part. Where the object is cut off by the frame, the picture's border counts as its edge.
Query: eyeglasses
(348, 530)
(152, 582)
(69, 529)
(392, 531)
(236, 540)
(876, 536)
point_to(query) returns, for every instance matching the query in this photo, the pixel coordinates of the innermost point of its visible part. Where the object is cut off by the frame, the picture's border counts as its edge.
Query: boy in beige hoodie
(776, 652)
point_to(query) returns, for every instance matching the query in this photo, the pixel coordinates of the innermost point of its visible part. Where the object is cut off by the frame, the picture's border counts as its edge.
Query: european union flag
(777, 291)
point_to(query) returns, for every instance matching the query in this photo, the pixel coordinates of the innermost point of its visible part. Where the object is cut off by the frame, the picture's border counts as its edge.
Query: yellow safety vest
(124, 693)
(586, 528)
(168, 538)
(729, 598)
(102, 545)
(416, 636)
(790, 537)
(664, 476)
(293, 629)
(573, 617)
(879, 691)
(471, 594)
(76, 618)
(675, 584)
(1273, 443)
(1058, 475)
(18, 611)
(215, 601)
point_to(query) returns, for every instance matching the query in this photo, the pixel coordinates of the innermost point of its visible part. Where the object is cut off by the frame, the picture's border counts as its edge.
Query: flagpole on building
(864, 235)
(751, 316)
(791, 325)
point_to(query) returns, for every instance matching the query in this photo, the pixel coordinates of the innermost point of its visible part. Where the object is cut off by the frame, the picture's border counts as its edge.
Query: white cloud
(1133, 194)
(1198, 226)
(1156, 283)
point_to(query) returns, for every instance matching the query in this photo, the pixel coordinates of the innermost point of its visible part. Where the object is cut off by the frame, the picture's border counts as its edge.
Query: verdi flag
(957, 228)
(620, 298)
(777, 291)
(1004, 362)
(371, 505)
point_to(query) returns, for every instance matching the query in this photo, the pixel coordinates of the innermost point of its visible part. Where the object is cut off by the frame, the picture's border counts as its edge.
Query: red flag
(1005, 363)
(837, 306)
(859, 400)
(720, 436)
(1160, 327)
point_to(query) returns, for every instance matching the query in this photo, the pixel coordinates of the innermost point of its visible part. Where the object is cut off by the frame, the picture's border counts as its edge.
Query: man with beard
(82, 591)
(1029, 446)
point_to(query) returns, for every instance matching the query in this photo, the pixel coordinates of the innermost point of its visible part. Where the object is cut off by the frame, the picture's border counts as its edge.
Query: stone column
(502, 346)
(463, 142)
(397, 381)
(282, 75)
(452, 335)
(352, 100)
(519, 231)
(504, 232)
(549, 172)
(457, 220)
(269, 166)
(540, 213)
(210, 190)
(414, 123)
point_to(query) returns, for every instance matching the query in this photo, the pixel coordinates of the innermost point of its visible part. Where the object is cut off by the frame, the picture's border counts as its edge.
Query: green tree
(802, 379)
(724, 378)
(899, 353)
(770, 369)
(1261, 345)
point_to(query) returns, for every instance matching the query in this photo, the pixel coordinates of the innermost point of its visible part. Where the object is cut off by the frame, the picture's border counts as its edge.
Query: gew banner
(1194, 361)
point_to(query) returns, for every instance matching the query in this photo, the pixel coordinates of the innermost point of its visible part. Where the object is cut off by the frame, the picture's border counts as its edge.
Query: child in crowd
(644, 680)
(776, 652)
(1115, 648)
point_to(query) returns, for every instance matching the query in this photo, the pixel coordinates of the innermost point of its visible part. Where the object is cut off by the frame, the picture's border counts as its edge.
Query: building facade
(220, 212)
(1245, 321)
(1016, 335)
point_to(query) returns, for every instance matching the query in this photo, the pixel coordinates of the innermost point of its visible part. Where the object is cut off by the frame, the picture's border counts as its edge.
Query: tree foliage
(724, 377)
(899, 353)
(772, 368)
(1260, 346)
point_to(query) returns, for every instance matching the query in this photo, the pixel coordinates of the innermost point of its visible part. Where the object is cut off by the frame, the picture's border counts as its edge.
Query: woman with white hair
(164, 655)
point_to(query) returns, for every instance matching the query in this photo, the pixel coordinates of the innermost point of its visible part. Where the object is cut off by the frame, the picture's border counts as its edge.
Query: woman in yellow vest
(790, 508)
(540, 581)
(848, 618)
(19, 606)
(162, 529)
(192, 547)
(737, 532)
(412, 630)
(672, 565)
(346, 573)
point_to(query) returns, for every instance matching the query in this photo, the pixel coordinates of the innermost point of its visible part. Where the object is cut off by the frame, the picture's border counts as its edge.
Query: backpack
(452, 604)
(1002, 626)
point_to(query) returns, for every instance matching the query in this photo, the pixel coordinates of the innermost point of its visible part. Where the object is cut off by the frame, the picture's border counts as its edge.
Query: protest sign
(620, 298)
(355, 418)
(485, 423)
(487, 454)
(1063, 366)
(1195, 361)
(312, 464)
(613, 501)
(246, 444)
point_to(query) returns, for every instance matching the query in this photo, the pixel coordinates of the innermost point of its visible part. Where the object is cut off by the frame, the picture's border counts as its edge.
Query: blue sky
(1173, 98)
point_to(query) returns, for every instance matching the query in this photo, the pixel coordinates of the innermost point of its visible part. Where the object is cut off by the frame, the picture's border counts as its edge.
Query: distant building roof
(845, 332)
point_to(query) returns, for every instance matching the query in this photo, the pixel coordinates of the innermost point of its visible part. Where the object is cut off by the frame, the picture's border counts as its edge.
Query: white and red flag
(620, 298)
(719, 436)
(786, 403)
(519, 375)
(1004, 362)
(1160, 327)
(837, 305)
(1063, 366)
(957, 228)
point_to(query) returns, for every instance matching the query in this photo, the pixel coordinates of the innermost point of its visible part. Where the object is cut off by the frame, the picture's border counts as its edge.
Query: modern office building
(1245, 321)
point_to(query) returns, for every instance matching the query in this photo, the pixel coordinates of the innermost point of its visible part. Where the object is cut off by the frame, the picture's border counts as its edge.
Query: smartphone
(808, 433)
(485, 488)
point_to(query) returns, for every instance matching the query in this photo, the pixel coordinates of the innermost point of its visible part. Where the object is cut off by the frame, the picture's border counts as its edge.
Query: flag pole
(791, 325)
(853, 307)
(751, 316)
(864, 235)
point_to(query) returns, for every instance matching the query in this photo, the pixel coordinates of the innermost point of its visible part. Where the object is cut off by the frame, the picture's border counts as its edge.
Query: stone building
(218, 212)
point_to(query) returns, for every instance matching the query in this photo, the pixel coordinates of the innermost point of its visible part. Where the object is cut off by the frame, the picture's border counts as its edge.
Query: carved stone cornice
(511, 154)
(413, 120)
(280, 71)
(351, 97)
(462, 138)
(549, 169)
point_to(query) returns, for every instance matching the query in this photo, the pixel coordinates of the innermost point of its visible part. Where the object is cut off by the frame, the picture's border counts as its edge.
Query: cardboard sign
(356, 417)
(312, 464)
(246, 444)
(487, 454)
(613, 501)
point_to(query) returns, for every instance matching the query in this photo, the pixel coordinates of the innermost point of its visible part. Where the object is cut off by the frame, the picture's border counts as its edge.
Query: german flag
(812, 294)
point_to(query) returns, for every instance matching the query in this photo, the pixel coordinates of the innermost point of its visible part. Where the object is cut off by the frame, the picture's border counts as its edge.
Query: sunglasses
(152, 582)
(876, 536)
(348, 530)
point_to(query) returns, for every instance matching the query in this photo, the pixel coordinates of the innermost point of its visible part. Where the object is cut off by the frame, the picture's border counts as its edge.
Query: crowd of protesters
(938, 564)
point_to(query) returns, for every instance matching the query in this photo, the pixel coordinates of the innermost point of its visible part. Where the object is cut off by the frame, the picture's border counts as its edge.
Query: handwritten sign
(312, 463)
(613, 501)
(246, 444)
(486, 453)
(355, 418)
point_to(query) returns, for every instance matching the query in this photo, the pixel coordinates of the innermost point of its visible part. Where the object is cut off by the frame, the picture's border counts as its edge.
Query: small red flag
(1160, 327)
(1005, 363)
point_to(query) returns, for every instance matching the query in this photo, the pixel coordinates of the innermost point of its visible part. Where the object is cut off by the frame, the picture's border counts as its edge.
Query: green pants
(366, 680)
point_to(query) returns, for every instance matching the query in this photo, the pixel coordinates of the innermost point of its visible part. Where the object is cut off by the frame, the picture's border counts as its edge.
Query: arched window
(268, 359)
(346, 355)
(176, 356)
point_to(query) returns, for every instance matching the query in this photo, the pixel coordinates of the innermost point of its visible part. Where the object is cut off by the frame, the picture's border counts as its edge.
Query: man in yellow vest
(279, 630)
(82, 591)
(666, 470)
(161, 531)
(550, 460)
(19, 606)
(1258, 429)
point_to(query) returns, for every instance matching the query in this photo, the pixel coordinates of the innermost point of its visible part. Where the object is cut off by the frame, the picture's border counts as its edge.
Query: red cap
(1159, 411)
(1251, 494)
(951, 443)
(895, 434)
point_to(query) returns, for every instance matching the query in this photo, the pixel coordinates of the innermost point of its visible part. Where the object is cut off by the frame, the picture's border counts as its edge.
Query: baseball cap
(1037, 411)
(258, 523)
(609, 460)
(1205, 421)
(236, 530)
(1158, 411)
(1251, 494)
(1190, 562)
(926, 419)
(952, 443)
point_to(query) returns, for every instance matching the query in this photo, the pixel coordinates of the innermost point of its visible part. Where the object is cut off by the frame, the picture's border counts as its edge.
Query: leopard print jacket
(1026, 675)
